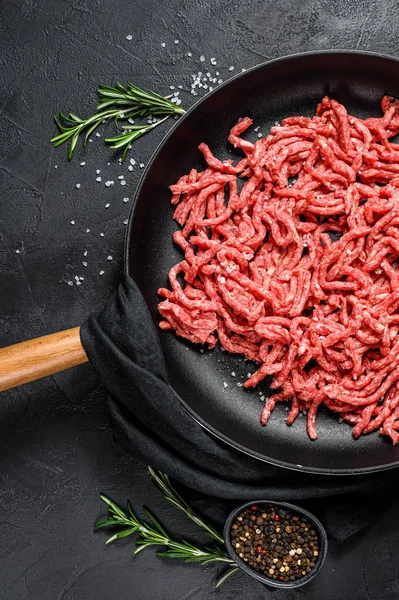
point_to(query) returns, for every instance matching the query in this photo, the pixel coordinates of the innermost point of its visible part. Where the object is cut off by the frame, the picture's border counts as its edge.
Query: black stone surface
(56, 448)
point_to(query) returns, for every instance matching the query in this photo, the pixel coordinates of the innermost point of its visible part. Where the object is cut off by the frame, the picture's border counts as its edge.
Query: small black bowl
(323, 544)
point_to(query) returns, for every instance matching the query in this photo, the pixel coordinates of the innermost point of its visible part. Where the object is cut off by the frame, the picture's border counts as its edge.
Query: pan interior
(268, 93)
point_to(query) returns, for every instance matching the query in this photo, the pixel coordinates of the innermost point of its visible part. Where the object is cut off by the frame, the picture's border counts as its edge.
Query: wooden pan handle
(40, 357)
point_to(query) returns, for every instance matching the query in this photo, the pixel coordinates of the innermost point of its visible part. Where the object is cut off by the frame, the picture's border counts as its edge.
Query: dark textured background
(56, 448)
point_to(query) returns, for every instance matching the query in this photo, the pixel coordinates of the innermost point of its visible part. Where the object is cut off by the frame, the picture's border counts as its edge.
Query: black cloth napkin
(122, 344)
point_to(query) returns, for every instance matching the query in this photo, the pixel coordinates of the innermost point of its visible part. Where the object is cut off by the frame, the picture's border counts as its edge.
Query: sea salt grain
(101, 234)
(231, 68)
(225, 385)
(130, 168)
(125, 199)
(132, 161)
(98, 171)
(102, 272)
(108, 183)
(107, 205)
(84, 263)
(98, 178)
(129, 37)
(213, 61)
(125, 222)
(189, 54)
(72, 222)
(87, 230)
(98, 134)
(120, 176)
(82, 164)
(78, 185)
(176, 41)
(141, 165)
(85, 253)
(123, 182)
(163, 44)
(109, 257)
(233, 374)
(202, 58)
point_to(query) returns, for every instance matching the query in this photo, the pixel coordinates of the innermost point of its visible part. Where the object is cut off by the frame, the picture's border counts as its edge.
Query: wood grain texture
(37, 358)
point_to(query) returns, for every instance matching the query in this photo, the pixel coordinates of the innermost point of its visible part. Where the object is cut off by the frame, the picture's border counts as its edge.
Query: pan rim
(127, 244)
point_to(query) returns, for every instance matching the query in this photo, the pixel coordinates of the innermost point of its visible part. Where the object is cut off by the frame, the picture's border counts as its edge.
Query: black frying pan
(267, 93)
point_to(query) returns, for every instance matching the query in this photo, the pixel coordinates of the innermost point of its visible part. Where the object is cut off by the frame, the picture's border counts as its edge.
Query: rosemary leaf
(104, 524)
(226, 576)
(156, 523)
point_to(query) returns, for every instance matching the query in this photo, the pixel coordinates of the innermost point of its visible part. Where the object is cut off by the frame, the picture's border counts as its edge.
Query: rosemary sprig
(118, 103)
(151, 532)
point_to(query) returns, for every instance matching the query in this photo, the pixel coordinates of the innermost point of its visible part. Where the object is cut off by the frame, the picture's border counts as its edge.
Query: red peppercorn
(265, 552)
(254, 507)
(276, 518)
(281, 578)
(258, 549)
